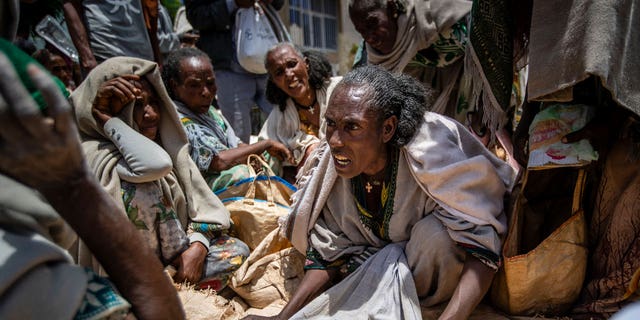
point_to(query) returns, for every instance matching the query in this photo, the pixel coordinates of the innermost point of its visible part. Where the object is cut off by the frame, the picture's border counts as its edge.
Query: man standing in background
(105, 29)
(238, 90)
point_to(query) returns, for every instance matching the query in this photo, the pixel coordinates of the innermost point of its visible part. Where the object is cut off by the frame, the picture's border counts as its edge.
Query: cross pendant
(311, 110)
(368, 187)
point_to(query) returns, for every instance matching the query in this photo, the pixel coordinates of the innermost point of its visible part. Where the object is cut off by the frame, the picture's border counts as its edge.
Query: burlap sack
(548, 278)
(271, 273)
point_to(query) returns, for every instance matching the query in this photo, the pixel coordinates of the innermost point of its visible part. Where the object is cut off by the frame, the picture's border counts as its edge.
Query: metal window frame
(297, 8)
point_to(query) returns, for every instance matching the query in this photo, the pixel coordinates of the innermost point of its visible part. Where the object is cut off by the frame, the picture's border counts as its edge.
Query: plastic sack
(256, 203)
(271, 274)
(254, 36)
(548, 128)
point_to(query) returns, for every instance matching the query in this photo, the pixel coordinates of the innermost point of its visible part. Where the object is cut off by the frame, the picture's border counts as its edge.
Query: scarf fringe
(493, 116)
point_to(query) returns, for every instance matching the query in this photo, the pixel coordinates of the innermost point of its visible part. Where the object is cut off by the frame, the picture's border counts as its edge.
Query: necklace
(310, 108)
(375, 180)
(371, 183)
(376, 216)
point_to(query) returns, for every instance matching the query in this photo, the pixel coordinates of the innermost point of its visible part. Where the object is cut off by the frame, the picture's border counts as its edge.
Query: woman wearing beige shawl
(137, 149)
(395, 194)
(300, 83)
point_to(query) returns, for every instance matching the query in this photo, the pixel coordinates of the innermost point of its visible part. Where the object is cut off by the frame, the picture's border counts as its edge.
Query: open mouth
(294, 84)
(341, 160)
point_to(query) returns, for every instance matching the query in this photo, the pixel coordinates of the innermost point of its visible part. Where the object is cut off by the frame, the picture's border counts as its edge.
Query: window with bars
(314, 23)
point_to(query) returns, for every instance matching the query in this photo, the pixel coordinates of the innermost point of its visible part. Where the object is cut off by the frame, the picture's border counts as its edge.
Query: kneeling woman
(214, 146)
(135, 145)
(405, 201)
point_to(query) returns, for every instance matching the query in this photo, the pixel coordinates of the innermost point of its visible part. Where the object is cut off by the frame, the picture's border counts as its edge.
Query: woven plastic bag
(256, 203)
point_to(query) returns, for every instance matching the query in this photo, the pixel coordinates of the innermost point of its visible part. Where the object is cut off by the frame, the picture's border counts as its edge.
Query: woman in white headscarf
(425, 39)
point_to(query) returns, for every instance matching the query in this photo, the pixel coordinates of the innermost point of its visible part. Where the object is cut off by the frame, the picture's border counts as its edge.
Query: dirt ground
(207, 305)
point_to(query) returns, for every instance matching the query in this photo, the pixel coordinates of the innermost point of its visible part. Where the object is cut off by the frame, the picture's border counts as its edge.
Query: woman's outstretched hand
(280, 151)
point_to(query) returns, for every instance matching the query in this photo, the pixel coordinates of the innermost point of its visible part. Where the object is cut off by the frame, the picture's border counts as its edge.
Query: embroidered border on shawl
(489, 258)
(315, 261)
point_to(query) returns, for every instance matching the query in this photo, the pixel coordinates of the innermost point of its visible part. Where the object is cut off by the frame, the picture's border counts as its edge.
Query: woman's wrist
(99, 115)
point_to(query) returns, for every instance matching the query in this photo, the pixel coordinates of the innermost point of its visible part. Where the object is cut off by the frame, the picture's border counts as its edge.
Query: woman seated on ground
(137, 149)
(214, 147)
(299, 84)
(395, 193)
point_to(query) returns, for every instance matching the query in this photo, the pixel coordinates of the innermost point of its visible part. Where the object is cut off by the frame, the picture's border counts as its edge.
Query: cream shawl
(465, 180)
(193, 200)
(417, 29)
(285, 126)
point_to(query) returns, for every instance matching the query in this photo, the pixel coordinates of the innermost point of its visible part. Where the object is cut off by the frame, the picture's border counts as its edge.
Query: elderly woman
(406, 198)
(214, 146)
(299, 84)
(137, 149)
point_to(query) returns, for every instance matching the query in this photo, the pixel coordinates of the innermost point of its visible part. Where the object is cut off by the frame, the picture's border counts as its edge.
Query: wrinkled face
(146, 111)
(60, 69)
(198, 86)
(288, 71)
(356, 136)
(376, 26)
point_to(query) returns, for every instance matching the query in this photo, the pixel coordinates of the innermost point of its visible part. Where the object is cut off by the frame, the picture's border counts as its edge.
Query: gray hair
(392, 95)
(279, 45)
(319, 72)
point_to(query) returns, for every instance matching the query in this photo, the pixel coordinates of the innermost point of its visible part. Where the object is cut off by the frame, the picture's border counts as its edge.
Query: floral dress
(208, 135)
(154, 216)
